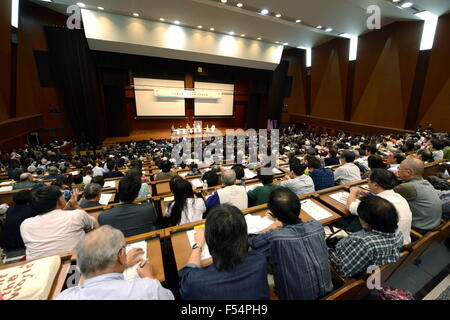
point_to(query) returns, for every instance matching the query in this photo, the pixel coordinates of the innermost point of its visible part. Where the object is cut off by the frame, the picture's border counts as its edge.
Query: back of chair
(355, 290)
(444, 233)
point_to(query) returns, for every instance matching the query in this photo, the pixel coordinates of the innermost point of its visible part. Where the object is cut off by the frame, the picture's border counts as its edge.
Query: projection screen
(222, 107)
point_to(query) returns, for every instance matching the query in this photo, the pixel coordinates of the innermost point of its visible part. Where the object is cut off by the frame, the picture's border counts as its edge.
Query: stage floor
(147, 135)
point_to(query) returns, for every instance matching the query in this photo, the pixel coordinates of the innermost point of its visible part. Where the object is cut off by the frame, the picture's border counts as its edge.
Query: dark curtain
(76, 78)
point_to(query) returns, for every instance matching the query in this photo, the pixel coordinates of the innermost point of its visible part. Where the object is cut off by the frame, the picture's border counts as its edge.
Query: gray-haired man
(92, 194)
(102, 260)
(231, 193)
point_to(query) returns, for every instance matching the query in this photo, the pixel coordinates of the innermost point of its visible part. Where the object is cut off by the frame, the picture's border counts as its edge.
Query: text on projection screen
(148, 105)
(215, 107)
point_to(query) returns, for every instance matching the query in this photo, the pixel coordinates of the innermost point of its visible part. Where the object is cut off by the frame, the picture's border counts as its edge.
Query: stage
(147, 135)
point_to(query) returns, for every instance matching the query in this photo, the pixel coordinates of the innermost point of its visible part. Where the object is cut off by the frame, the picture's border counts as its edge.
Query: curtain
(76, 78)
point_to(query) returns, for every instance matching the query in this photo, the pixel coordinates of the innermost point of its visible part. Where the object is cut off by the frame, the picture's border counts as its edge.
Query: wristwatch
(195, 246)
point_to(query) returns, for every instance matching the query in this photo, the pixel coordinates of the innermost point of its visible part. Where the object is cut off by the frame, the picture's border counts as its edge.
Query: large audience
(54, 188)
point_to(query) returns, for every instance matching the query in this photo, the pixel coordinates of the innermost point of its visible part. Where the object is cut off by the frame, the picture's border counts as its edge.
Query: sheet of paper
(105, 198)
(183, 174)
(110, 184)
(75, 173)
(5, 189)
(394, 167)
(340, 197)
(255, 224)
(205, 251)
(197, 183)
(314, 210)
(131, 272)
(249, 174)
(253, 186)
(276, 171)
(5, 183)
(206, 170)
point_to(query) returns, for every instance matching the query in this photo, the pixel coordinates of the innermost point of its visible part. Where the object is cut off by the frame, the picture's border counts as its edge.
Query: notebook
(314, 210)
(105, 198)
(255, 224)
(131, 272)
(110, 184)
(197, 183)
(340, 197)
(205, 251)
(5, 189)
(249, 174)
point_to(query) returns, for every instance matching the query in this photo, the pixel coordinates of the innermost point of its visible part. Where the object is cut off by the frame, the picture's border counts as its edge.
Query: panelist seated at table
(236, 273)
(378, 243)
(102, 259)
(129, 217)
(297, 181)
(297, 250)
(230, 193)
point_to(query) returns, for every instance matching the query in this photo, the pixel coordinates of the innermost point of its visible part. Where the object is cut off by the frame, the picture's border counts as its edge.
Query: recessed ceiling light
(278, 15)
(239, 5)
(223, 1)
(162, 19)
(200, 27)
(259, 38)
(176, 22)
(211, 29)
(242, 35)
(231, 33)
(395, 0)
(277, 42)
(81, 4)
(136, 14)
(328, 29)
(264, 11)
(285, 44)
(407, 5)
(100, 8)
(298, 21)
(319, 27)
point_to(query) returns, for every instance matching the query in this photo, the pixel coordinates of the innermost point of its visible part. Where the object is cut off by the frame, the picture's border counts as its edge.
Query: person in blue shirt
(236, 273)
(297, 250)
(323, 177)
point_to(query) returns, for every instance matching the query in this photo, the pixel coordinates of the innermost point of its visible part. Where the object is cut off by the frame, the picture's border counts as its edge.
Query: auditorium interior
(137, 137)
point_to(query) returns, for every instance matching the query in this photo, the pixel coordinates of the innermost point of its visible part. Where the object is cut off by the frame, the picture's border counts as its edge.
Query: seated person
(382, 183)
(129, 217)
(26, 181)
(240, 172)
(166, 172)
(64, 185)
(186, 207)
(348, 172)
(98, 169)
(378, 243)
(194, 170)
(332, 160)
(53, 173)
(100, 180)
(11, 240)
(425, 155)
(322, 177)
(78, 182)
(102, 260)
(211, 178)
(236, 273)
(423, 199)
(113, 170)
(298, 182)
(54, 229)
(297, 250)
(92, 194)
(230, 193)
(260, 195)
(144, 191)
(437, 152)
(374, 162)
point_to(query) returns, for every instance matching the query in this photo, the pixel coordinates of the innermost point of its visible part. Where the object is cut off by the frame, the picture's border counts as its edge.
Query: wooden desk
(154, 253)
(334, 204)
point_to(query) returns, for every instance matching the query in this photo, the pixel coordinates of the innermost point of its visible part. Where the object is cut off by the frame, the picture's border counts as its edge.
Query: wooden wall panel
(435, 103)
(296, 102)
(384, 74)
(329, 79)
(5, 59)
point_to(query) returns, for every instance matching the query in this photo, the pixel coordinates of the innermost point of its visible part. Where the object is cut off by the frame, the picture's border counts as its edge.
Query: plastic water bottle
(205, 186)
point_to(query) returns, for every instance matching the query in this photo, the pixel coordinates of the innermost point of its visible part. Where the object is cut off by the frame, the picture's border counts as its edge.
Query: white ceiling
(347, 16)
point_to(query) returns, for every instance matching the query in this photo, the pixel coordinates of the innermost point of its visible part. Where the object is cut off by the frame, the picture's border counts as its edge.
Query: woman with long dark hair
(186, 208)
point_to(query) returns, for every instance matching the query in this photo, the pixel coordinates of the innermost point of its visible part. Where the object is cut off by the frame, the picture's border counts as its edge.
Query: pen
(142, 264)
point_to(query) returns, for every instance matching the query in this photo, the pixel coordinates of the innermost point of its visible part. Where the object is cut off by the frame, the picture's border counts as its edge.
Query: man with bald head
(230, 193)
(423, 199)
(26, 181)
(102, 259)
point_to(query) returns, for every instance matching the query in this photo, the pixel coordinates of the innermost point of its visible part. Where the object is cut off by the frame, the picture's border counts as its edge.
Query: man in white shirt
(102, 258)
(54, 229)
(98, 170)
(348, 172)
(298, 182)
(381, 183)
(231, 193)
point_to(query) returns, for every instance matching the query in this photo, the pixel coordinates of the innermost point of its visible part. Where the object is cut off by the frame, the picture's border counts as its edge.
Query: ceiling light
(298, 21)
(211, 29)
(328, 29)
(239, 5)
(278, 15)
(242, 35)
(264, 12)
(285, 44)
(223, 1)
(259, 38)
(200, 27)
(231, 33)
(277, 42)
(395, 0)
(162, 19)
(429, 29)
(100, 8)
(319, 27)
(176, 22)
(407, 5)
(81, 4)
(136, 14)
